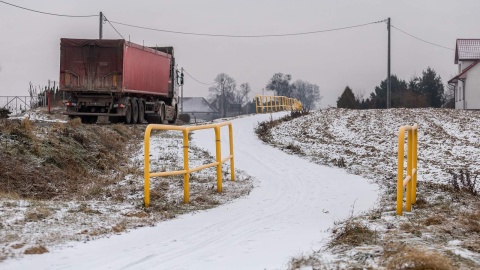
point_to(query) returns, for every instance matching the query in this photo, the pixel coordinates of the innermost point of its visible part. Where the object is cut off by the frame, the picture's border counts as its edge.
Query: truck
(124, 81)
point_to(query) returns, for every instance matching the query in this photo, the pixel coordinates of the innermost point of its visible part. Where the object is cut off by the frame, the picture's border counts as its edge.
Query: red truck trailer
(125, 81)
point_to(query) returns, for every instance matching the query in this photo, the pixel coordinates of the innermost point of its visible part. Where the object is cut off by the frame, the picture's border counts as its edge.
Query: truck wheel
(141, 111)
(174, 119)
(128, 113)
(134, 110)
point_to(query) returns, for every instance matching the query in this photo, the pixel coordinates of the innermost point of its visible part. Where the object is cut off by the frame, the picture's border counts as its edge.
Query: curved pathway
(288, 213)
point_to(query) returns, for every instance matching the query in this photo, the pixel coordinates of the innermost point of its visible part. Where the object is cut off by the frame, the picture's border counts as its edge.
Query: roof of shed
(197, 104)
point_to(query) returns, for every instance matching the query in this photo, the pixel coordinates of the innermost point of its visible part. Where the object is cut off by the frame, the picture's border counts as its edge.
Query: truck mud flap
(169, 113)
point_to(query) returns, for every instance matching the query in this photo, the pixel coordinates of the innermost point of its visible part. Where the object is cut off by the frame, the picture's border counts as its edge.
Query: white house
(467, 82)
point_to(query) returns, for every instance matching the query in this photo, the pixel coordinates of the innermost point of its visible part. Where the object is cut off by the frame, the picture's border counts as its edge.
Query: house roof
(197, 105)
(467, 49)
(463, 74)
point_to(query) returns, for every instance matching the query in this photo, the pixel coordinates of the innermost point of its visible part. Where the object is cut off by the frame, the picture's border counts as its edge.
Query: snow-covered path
(287, 213)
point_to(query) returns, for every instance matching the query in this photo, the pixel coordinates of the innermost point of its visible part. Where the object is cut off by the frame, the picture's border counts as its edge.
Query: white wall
(472, 88)
(459, 97)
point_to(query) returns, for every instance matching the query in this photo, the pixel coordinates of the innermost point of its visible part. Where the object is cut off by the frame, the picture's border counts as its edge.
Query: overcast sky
(29, 42)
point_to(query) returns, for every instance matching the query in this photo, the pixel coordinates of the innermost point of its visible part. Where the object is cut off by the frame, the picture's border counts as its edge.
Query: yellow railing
(265, 104)
(186, 170)
(410, 182)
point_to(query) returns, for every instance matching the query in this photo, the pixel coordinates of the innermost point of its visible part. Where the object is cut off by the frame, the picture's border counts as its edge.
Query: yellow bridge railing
(265, 104)
(410, 182)
(186, 170)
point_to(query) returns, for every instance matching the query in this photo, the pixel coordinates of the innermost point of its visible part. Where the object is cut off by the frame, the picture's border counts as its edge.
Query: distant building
(226, 109)
(199, 109)
(467, 82)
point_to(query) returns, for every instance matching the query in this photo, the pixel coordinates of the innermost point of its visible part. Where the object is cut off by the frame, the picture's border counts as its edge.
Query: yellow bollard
(401, 141)
(218, 147)
(408, 207)
(415, 166)
(186, 175)
(232, 162)
(146, 169)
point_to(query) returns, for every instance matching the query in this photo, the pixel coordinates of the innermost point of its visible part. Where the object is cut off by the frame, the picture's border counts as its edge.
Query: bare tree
(307, 93)
(224, 89)
(241, 96)
(359, 94)
(280, 84)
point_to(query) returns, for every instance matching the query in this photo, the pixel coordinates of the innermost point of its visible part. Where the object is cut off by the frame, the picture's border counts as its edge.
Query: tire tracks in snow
(287, 213)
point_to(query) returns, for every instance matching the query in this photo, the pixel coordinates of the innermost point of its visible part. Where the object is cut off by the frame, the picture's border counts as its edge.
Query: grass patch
(36, 250)
(404, 257)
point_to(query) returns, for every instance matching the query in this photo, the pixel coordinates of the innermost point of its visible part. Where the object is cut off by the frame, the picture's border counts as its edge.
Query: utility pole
(100, 34)
(389, 83)
(181, 102)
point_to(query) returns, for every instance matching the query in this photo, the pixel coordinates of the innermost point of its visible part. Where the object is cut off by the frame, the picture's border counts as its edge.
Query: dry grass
(62, 160)
(36, 250)
(37, 213)
(403, 257)
(352, 232)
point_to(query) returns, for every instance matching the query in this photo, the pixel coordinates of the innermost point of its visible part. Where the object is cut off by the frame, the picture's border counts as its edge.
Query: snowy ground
(364, 142)
(288, 213)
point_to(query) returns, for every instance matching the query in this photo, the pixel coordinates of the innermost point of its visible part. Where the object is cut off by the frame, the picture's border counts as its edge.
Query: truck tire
(161, 114)
(175, 114)
(134, 110)
(141, 111)
(128, 113)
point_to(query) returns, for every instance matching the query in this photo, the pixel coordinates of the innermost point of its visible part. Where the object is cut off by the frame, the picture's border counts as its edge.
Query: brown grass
(36, 250)
(71, 160)
(37, 213)
(405, 257)
(352, 233)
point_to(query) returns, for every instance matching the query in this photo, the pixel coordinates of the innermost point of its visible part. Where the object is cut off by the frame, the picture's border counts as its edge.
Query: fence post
(415, 153)
(218, 148)
(146, 170)
(409, 170)
(401, 141)
(186, 176)
(232, 162)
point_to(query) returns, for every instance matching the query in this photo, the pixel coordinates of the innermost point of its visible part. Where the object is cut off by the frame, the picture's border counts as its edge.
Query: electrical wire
(247, 36)
(196, 79)
(105, 18)
(48, 13)
(431, 43)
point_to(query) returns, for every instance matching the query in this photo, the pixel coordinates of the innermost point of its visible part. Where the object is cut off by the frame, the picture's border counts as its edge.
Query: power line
(247, 36)
(196, 79)
(431, 43)
(48, 13)
(113, 27)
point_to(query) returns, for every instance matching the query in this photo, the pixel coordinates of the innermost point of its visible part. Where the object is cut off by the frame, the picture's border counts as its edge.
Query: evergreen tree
(347, 99)
(398, 88)
(430, 85)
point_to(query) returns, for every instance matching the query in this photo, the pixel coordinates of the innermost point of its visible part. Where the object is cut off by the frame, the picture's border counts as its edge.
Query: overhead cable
(184, 70)
(113, 27)
(431, 43)
(247, 36)
(48, 13)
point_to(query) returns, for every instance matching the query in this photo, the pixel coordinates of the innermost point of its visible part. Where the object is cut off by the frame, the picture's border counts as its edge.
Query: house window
(460, 93)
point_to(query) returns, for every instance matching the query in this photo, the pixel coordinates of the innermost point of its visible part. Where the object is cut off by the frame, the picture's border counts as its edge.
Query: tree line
(281, 84)
(419, 92)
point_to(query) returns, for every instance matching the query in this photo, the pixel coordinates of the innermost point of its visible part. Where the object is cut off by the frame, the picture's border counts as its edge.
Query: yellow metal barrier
(410, 182)
(264, 104)
(186, 170)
